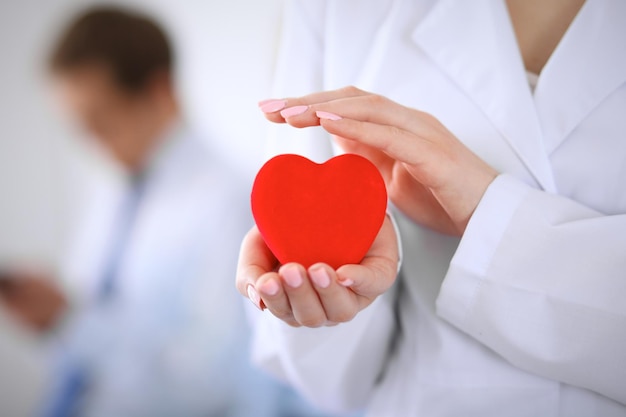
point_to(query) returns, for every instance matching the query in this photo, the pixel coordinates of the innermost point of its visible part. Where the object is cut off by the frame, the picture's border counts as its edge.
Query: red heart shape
(309, 213)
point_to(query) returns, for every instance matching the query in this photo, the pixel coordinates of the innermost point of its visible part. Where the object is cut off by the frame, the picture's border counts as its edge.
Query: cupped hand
(319, 295)
(430, 175)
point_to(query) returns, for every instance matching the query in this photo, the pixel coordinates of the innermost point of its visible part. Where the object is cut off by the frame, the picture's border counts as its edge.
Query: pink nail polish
(292, 276)
(293, 111)
(270, 287)
(320, 277)
(254, 296)
(273, 106)
(346, 282)
(327, 116)
(262, 102)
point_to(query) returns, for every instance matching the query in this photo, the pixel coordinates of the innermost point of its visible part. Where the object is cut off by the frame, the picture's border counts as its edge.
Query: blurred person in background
(155, 327)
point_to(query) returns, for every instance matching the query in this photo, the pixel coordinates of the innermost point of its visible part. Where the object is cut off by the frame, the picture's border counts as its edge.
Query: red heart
(309, 213)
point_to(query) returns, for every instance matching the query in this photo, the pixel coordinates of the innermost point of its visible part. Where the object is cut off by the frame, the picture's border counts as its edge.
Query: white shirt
(525, 315)
(532, 80)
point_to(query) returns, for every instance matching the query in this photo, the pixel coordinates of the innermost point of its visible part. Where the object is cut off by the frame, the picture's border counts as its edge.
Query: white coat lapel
(474, 44)
(368, 69)
(588, 64)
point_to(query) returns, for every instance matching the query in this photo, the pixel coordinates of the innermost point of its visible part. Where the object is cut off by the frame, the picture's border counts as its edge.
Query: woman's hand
(430, 175)
(320, 295)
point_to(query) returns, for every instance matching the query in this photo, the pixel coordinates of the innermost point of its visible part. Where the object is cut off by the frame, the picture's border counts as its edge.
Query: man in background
(156, 327)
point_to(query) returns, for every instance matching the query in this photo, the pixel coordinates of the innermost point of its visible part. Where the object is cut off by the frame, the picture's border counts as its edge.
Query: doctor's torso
(459, 61)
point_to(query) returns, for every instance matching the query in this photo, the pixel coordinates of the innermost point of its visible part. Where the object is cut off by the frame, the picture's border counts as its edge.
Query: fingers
(273, 108)
(255, 259)
(305, 303)
(273, 296)
(350, 103)
(368, 119)
(378, 270)
(310, 298)
(340, 303)
(374, 109)
(292, 295)
(319, 296)
(397, 143)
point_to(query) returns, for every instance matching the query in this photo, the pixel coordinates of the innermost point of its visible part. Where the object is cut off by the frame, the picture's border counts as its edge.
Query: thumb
(369, 279)
(377, 271)
(255, 259)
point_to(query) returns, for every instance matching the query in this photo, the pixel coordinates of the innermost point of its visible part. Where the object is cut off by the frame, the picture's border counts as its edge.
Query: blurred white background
(225, 52)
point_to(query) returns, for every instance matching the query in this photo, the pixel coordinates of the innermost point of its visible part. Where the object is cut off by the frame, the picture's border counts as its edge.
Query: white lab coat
(525, 315)
(173, 340)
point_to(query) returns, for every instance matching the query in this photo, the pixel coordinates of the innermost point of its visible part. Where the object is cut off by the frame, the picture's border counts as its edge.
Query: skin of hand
(319, 296)
(430, 175)
(34, 300)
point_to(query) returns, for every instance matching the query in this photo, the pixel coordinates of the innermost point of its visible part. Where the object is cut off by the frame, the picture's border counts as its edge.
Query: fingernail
(320, 277)
(326, 115)
(292, 276)
(346, 282)
(270, 287)
(293, 111)
(254, 296)
(273, 106)
(262, 102)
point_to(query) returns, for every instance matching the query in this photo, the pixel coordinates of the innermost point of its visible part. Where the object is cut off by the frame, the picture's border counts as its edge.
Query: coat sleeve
(541, 280)
(335, 367)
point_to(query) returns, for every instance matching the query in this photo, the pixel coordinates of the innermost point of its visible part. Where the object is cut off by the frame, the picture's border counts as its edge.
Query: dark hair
(132, 46)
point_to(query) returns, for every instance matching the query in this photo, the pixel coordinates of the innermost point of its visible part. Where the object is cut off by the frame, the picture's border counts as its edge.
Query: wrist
(480, 184)
(461, 200)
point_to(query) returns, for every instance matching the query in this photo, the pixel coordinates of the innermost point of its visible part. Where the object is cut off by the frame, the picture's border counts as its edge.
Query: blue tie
(119, 242)
(74, 377)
